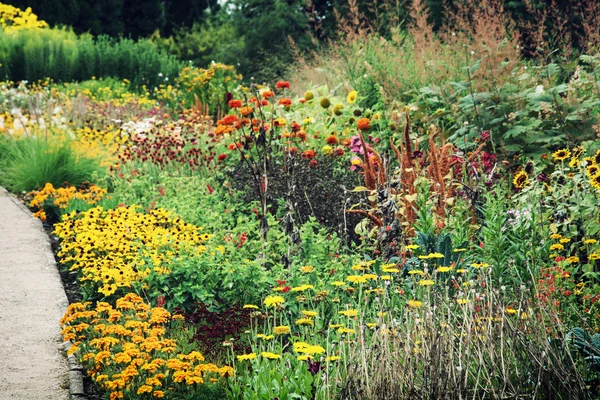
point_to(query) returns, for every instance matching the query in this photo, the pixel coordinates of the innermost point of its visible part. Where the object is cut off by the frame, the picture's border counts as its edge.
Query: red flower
(295, 127)
(235, 103)
(313, 163)
(282, 85)
(281, 282)
(222, 157)
(286, 289)
(308, 154)
(332, 139)
(285, 102)
(293, 150)
(210, 189)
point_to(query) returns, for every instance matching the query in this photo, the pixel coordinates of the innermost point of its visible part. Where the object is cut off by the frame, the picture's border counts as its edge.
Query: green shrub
(29, 163)
(63, 56)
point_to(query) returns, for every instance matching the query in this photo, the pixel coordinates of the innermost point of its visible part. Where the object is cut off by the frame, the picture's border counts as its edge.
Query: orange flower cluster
(127, 350)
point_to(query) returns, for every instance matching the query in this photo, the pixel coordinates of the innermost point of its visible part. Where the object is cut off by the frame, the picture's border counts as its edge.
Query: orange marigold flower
(227, 120)
(282, 85)
(302, 135)
(267, 94)
(332, 139)
(308, 154)
(246, 110)
(221, 129)
(235, 103)
(363, 124)
(285, 102)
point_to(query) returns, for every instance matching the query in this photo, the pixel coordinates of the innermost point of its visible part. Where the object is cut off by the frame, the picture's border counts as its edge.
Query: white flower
(539, 90)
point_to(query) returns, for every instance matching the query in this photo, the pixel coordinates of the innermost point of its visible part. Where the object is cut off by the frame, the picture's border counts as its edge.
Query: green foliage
(61, 55)
(29, 163)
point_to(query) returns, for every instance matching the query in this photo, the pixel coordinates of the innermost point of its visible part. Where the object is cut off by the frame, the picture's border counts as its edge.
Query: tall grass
(63, 56)
(30, 162)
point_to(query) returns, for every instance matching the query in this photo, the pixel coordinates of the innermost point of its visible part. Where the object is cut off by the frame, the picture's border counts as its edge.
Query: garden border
(75, 374)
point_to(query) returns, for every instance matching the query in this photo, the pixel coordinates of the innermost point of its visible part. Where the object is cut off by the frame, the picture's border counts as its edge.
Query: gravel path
(32, 300)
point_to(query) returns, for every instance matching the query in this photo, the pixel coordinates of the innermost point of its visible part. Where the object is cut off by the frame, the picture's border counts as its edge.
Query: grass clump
(31, 162)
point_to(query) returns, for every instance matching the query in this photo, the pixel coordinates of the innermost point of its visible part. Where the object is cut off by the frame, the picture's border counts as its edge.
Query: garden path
(32, 300)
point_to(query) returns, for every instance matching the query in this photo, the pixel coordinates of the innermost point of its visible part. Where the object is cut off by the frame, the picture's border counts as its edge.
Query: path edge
(75, 370)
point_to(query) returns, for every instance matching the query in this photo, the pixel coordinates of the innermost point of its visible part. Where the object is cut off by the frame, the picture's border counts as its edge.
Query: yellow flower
(346, 330)
(561, 155)
(304, 358)
(332, 358)
(302, 288)
(557, 246)
(564, 240)
(511, 311)
(520, 180)
(555, 236)
(281, 330)
(349, 313)
(480, 265)
(270, 356)
(307, 269)
(462, 301)
(356, 279)
(412, 246)
(461, 270)
(590, 241)
(305, 321)
(459, 250)
(338, 283)
(594, 257)
(264, 337)
(245, 357)
(251, 306)
(335, 326)
(352, 96)
(572, 259)
(426, 282)
(444, 269)
(416, 272)
(144, 389)
(415, 303)
(309, 313)
(274, 301)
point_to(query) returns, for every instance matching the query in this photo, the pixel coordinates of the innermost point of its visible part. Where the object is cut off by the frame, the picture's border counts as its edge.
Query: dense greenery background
(261, 35)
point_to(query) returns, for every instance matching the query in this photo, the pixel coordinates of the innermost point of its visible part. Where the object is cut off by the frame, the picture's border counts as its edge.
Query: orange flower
(345, 142)
(292, 150)
(301, 135)
(332, 139)
(246, 110)
(267, 94)
(308, 154)
(221, 129)
(227, 120)
(363, 124)
(235, 103)
(285, 102)
(282, 85)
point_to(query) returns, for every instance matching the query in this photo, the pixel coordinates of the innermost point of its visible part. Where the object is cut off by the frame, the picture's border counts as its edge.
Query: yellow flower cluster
(126, 349)
(14, 19)
(113, 248)
(191, 78)
(60, 197)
